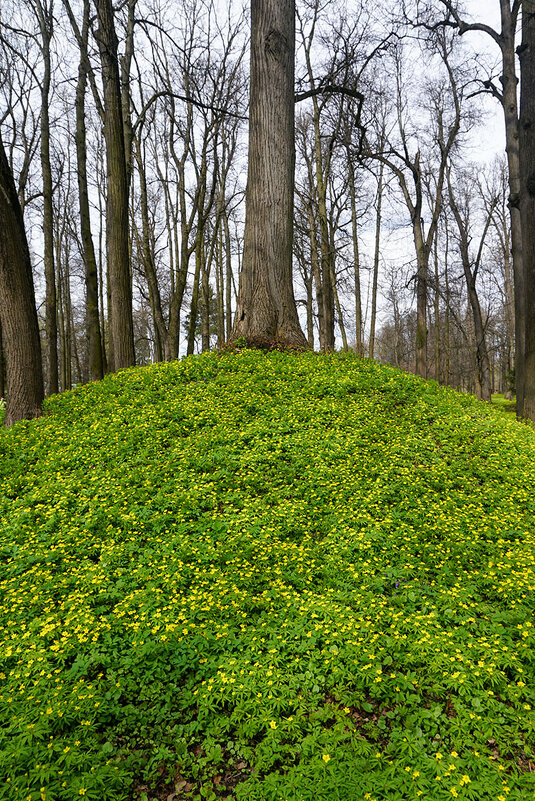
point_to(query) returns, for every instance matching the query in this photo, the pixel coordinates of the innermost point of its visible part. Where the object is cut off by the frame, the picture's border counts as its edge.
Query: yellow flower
(273, 724)
(326, 758)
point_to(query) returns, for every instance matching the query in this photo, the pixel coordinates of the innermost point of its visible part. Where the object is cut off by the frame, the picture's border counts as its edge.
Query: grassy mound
(275, 576)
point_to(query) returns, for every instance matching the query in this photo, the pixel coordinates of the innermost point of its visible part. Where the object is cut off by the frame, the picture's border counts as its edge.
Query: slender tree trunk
(527, 196)
(205, 290)
(376, 255)
(509, 314)
(447, 310)
(93, 334)
(194, 308)
(356, 256)
(20, 329)
(422, 266)
(117, 239)
(266, 313)
(316, 275)
(51, 331)
(437, 313)
(220, 288)
(147, 257)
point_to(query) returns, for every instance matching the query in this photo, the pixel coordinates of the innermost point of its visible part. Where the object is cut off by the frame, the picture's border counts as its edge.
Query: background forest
(402, 241)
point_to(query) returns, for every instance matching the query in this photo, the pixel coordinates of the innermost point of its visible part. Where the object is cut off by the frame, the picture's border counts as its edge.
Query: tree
(266, 311)
(94, 340)
(506, 94)
(44, 14)
(19, 326)
(421, 171)
(461, 208)
(527, 195)
(117, 242)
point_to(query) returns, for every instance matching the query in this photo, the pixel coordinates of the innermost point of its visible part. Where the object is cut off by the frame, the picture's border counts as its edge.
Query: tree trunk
(510, 106)
(376, 256)
(422, 264)
(437, 313)
(117, 242)
(2, 366)
(527, 196)
(194, 308)
(266, 313)
(93, 335)
(20, 329)
(356, 256)
(51, 330)
(147, 257)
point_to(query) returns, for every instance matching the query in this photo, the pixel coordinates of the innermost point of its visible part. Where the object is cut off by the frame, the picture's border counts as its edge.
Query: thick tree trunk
(266, 313)
(527, 196)
(117, 242)
(20, 329)
(510, 107)
(2, 366)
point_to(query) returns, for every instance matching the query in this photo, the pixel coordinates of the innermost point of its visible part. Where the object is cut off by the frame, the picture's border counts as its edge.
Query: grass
(263, 577)
(504, 404)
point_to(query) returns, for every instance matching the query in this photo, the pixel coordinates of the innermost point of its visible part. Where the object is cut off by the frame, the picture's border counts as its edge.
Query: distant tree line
(364, 223)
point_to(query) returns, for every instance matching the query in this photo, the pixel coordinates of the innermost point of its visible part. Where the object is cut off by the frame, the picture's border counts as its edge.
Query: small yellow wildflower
(326, 758)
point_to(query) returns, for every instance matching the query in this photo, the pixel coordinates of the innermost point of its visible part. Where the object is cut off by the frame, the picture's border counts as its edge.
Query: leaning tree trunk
(20, 329)
(527, 196)
(117, 243)
(266, 313)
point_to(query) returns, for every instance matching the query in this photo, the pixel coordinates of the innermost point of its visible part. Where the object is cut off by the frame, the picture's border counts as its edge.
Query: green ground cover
(504, 404)
(272, 576)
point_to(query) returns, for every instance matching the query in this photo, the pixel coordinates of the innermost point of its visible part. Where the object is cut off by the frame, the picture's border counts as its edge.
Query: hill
(275, 576)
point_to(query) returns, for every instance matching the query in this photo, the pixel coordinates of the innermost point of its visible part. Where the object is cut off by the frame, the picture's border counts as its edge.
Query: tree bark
(356, 256)
(376, 255)
(527, 196)
(509, 82)
(266, 313)
(44, 14)
(20, 329)
(93, 334)
(117, 242)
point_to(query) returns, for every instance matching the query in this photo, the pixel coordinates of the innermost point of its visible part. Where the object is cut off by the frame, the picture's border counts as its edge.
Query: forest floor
(267, 576)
